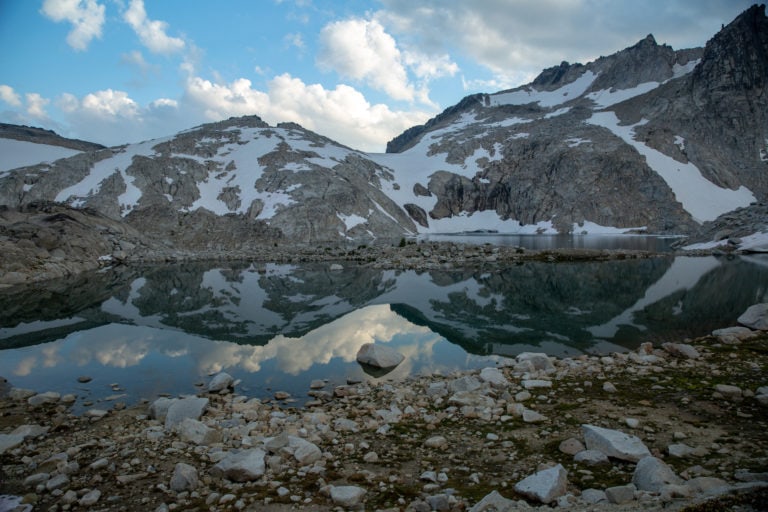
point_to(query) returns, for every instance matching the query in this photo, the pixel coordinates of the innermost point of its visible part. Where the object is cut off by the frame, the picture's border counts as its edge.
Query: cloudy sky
(358, 71)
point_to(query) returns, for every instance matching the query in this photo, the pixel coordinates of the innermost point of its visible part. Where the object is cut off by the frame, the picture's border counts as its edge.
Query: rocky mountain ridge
(648, 139)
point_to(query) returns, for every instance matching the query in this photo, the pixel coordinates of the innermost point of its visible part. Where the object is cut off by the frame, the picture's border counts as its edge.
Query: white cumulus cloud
(152, 33)
(36, 105)
(341, 113)
(361, 49)
(86, 16)
(109, 103)
(8, 95)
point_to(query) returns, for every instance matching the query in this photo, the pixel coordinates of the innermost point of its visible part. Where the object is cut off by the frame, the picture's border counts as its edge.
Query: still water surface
(165, 329)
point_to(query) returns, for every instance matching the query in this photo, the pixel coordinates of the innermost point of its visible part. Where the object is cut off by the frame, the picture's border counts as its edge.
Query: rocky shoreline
(45, 241)
(676, 427)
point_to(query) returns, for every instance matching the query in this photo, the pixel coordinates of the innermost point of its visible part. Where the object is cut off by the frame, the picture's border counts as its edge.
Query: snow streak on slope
(76, 194)
(19, 153)
(700, 197)
(545, 98)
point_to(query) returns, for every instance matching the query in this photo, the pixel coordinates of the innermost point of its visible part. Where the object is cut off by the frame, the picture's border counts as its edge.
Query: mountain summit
(649, 139)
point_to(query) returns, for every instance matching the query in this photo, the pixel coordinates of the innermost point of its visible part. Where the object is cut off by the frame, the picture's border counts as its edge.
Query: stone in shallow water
(379, 356)
(222, 381)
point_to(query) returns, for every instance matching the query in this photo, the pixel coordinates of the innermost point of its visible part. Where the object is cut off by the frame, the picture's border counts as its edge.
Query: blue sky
(360, 72)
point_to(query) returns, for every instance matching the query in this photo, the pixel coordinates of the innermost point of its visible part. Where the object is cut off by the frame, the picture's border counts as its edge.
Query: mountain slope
(648, 139)
(224, 183)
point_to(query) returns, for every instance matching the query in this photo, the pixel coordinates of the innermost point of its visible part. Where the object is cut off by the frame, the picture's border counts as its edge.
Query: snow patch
(350, 221)
(545, 98)
(558, 112)
(119, 163)
(700, 197)
(758, 240)
(679, 70)
(590, 228)
(606, 98)
(680, 142)
(19, 153)
(576, 141)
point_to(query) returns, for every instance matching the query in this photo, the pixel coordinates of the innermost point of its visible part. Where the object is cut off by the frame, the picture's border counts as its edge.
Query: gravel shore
(468, 441)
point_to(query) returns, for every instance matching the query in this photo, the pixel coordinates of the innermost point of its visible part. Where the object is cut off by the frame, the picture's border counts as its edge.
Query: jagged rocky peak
(646, 61)
(736, 57)
(557, 76)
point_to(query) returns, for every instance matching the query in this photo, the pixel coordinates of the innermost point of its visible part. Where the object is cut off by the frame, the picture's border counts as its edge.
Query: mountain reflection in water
(165, 328)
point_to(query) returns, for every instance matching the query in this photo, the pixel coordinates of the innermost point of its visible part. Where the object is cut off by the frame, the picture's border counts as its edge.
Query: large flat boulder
(544, 486)
(614, 443)
(755, 317)
(243, 466)
(652, 474)
(189, 407)
(379, 356)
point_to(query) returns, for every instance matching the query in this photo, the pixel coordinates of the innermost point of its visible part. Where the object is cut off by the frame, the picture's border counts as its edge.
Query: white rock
(632, 422)
(755, 317)
(466, 383)
(681, 350)
(347, 495)
(90, 498)
(20, 393)
(621, 494)
(184, 478)
(494, 502)
(379, 356)
(571, 446)
(49, 397)
(538, 360)
(651, 474)
(220, 382)
(305, 452)
(197, 432)
(244, 466)
(159, 408)
(536, 384)
(593, 496)
(591, 457)
(608, 387)
(189, 407)
(544, 486)
(680, 450)
(57, 482)
(531, 416)
(728, 391)
(494, 377)
(614, 443)
(30, 431)
(436, 442)
(10, 441)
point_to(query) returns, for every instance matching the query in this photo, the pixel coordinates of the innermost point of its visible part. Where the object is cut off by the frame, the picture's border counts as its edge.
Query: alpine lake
(137, 333)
